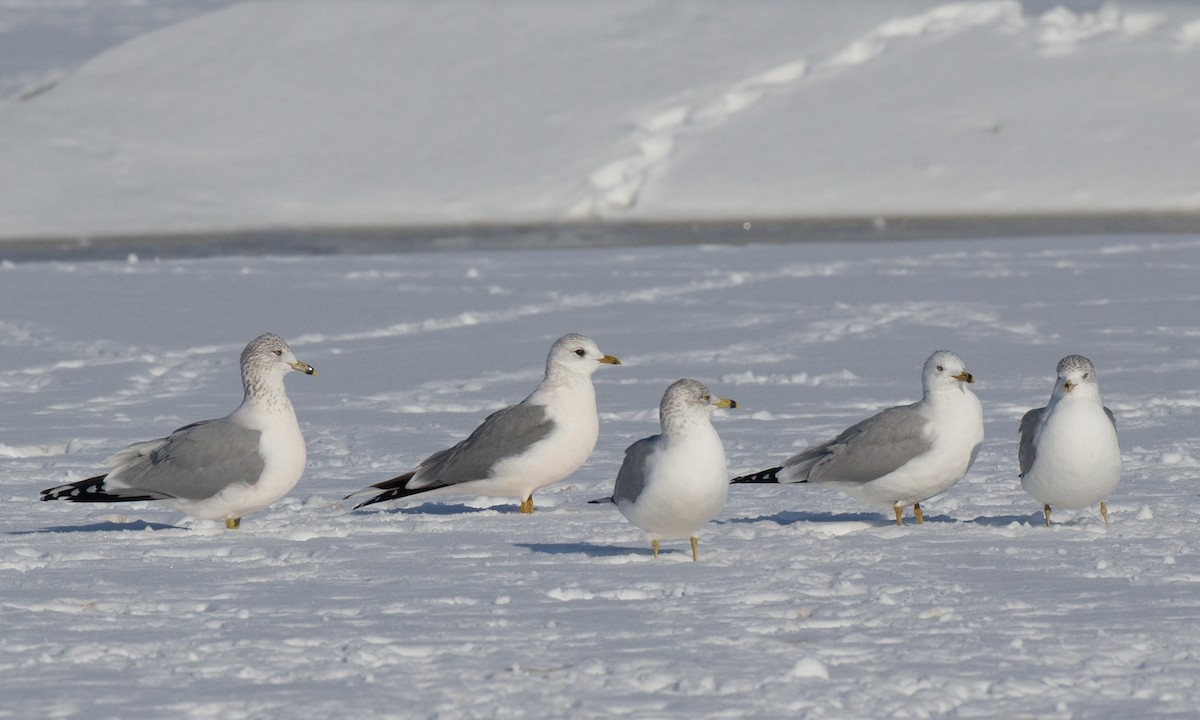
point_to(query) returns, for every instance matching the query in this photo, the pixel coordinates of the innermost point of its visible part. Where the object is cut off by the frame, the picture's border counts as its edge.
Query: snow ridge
(616, 185)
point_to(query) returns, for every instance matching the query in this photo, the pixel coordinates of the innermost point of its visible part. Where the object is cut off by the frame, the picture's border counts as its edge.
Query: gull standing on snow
(1069, 452)
(519, 449)
(904, 455)
(215, 469)
(673, 483)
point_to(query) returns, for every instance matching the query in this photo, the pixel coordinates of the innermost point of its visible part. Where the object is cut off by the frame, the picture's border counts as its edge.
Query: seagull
(215, 469)
(903, 455)
(517, 450)
(673, 483)
(1069, 452)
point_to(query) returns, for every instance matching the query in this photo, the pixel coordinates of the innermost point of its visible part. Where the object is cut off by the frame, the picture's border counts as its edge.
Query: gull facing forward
(672, 484)
(1069, 452)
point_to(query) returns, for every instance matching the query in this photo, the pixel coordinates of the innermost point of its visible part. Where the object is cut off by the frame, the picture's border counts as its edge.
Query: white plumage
(515, 451)
(903, 455)
(672, 484)
(1069, 453)
(215, 469)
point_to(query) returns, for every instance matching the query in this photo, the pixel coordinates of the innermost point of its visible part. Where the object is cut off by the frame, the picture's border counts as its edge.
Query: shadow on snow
(101, 527)
(585, 548)
(432, 508)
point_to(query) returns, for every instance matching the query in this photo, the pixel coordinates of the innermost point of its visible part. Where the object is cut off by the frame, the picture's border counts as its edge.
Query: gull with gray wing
(1069, 453)
(515, 451)
(672, 484)
(215, 469)
(903, 455)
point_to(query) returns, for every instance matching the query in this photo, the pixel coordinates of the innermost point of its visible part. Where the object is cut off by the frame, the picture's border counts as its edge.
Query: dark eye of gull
(581, 352)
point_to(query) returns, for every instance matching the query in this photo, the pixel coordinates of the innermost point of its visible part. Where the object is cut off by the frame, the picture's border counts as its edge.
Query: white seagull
(671, 484)
(1069, 452)
(903, 455)
(517, 450)
(215, 469)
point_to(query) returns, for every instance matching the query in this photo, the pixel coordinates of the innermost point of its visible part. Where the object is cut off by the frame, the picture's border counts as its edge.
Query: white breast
(1078, 461)
(687, 483)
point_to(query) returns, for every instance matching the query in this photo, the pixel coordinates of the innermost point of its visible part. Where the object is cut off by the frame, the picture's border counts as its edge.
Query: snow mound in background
(269, 114)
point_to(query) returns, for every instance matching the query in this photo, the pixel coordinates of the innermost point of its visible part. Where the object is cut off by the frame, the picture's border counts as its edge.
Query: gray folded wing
(195, 462)
(864, 452)
(631, 478)
(1031, 427)
(503, 434)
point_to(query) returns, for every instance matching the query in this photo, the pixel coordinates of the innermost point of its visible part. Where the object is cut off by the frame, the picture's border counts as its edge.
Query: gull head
(268, 356)
(687, 399)
(1076, 376)
(945, 370)
(576, 354)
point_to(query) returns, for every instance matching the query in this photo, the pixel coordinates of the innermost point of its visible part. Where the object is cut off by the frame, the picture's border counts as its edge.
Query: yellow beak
(303, 367)
(1068, 386)
(725, 403)
(965, 376)
(609, 360)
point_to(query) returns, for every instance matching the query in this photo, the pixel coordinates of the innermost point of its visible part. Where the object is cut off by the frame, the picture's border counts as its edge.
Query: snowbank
(358, 113)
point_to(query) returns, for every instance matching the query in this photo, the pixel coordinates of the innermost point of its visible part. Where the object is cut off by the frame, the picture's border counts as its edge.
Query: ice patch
(1061, 31)
(809, 667)
(27, 451)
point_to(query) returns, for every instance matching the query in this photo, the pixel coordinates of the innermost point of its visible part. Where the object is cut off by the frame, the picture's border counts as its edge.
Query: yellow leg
(527, 505)
(1104, 512)
(695, 551)
(233, 523)
(899, 515)
(1046, 512)
(917, 511)
(654, 547)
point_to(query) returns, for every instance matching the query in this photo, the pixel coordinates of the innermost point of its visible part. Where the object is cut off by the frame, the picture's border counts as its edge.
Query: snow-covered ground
(804, 604)
(360, 113)
(250, 117)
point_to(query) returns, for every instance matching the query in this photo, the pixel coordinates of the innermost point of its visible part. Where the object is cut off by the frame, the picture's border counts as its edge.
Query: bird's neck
(577, 392)
(558, 380)
(1077, 398)
(943, 395)
(685, 429)
(265, 396)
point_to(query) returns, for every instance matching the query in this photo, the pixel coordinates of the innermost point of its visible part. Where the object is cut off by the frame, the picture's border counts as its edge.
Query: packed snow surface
(361, 113)
(805, 603)
(202, 115)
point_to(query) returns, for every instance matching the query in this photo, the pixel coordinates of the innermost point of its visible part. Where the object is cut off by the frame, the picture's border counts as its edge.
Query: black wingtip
(766, 476)
(79, 491)
(371, 501)
(92, 490)
(390, 489)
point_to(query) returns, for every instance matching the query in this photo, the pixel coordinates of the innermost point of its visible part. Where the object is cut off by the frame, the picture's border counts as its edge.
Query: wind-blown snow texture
(805, 603)
(362, 113)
